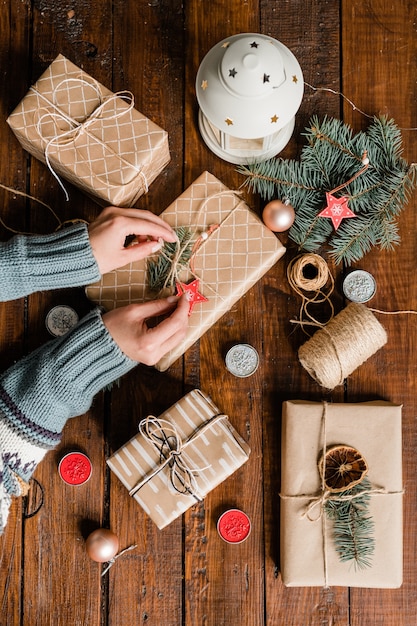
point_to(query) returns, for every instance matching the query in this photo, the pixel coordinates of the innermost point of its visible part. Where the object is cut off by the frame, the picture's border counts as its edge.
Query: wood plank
(223, 581)
(54, 539)
(391, 373)
(13, 54)
(302, 29)
(146, 586)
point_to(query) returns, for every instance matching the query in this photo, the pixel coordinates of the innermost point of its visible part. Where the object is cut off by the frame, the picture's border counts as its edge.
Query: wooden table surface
(185, 575)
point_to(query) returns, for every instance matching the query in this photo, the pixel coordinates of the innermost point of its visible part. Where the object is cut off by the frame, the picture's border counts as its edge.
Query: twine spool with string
(337, 349)
(309, 273)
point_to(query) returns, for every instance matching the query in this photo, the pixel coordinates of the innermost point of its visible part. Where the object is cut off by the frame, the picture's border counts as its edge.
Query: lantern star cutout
(191, 290)
(337, 209)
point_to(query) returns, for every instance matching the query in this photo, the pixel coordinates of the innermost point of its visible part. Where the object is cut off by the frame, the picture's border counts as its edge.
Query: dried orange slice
(344, 467)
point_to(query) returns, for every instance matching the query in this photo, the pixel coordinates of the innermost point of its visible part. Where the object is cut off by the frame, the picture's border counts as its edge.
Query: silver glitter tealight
(359, 286)
(242, 360)
(60, 320)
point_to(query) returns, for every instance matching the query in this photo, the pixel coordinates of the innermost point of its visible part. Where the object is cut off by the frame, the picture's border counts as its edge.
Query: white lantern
(249, 87)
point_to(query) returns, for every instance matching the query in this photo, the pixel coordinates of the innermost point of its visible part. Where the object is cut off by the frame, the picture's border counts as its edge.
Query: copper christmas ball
(102, 545)
(278, 216)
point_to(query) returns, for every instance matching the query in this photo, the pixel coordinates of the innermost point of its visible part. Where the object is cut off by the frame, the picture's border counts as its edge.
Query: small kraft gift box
(176, 459)
(90, 136)
(341, 495)
(232, 250)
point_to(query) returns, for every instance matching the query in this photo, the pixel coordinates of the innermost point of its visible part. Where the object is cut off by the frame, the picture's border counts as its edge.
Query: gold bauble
(278, 216)
(102, 545)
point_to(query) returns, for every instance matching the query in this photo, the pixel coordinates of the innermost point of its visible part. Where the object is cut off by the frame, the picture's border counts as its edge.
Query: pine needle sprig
(353, 526)
(332, 156)
(159, 268)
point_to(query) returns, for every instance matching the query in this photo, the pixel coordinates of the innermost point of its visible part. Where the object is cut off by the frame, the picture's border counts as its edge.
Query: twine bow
(76, 127)
(164, 436)
(325, 496)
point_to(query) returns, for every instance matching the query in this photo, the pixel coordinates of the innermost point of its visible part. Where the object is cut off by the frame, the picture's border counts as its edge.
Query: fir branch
(353, 527)
(332, 156)
(265, 178)
(159, 269)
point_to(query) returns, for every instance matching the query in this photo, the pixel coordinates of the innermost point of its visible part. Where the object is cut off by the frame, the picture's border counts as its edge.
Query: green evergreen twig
(159, 269)
(352, 525)
(333, 155)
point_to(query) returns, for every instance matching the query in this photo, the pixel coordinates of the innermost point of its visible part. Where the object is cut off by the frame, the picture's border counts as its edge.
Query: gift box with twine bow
(90, 136)
(311, 551)
(232, 250)
(176, 459)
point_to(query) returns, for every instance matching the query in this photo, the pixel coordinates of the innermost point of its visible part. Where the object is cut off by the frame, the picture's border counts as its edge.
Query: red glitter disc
(234, 526)
(75, 468)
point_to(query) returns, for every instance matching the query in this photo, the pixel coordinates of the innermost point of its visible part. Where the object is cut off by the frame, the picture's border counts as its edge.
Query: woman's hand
(109, 232)
(148, 344)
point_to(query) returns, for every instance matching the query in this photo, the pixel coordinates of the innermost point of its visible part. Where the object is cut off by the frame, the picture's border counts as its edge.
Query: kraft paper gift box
(308, 556)
(228, 263)
(90, 136)
(166, 485)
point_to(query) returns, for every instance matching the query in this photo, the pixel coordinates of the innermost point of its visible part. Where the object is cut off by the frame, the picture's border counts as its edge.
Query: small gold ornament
(278, 216)
(102, 545)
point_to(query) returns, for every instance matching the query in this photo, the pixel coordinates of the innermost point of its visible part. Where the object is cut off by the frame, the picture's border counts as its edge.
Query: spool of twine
(309, 274)
(338, 348)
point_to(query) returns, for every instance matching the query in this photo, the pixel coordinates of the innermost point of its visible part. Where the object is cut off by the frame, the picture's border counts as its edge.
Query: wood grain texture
(185, 575)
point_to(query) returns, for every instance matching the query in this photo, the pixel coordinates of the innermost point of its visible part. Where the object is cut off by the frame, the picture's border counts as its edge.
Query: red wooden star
(337, 209)
(191, 289)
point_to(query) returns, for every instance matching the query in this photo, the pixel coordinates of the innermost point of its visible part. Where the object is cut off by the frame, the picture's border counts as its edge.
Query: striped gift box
(178, 458)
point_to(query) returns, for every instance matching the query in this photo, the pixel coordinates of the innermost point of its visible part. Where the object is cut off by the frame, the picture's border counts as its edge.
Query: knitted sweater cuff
(39, 262)
(59, 381)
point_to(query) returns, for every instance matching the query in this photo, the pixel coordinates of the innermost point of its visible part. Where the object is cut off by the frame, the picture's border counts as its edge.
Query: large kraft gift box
(232, 259)
(209, 450)
(91, 137)
(308, 557)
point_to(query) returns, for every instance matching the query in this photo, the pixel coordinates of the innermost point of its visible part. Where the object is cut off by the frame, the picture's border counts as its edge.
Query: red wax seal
(75, 468)
(234, 526)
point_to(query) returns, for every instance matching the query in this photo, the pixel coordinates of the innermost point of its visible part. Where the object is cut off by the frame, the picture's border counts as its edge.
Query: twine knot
(165, 437)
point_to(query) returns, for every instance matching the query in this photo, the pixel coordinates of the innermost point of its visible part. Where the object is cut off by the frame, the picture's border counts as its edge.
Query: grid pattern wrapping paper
(213, 450)
(233, 258)
(91, 137)
(307, 548)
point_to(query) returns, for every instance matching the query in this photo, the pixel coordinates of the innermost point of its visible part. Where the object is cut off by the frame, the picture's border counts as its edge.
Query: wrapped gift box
(210, 451)
(228, 263)
(91, 137)
(373, 428)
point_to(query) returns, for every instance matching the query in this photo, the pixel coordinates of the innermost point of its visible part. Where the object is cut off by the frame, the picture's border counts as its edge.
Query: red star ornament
(194, 295)
(337, 209)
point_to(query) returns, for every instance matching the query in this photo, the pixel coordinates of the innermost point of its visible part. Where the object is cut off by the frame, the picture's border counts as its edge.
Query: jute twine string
(309, 273)
(338, 348)
(61, 223)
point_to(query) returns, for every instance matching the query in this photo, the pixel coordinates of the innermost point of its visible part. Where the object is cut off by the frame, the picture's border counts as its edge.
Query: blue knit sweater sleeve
(40, 392)
(30, 263)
